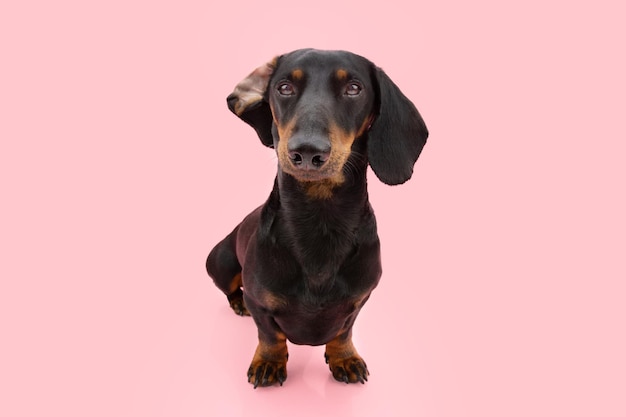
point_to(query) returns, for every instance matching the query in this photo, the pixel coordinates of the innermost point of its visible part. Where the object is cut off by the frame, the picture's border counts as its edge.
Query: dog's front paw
(350, 369)
(239, 307)
(265, 373)
(236, 303)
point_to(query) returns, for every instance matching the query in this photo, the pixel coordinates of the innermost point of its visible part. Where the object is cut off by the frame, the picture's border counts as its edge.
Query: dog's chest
(314, 317)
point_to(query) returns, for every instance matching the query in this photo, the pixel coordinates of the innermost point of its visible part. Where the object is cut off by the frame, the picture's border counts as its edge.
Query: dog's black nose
(308, 153)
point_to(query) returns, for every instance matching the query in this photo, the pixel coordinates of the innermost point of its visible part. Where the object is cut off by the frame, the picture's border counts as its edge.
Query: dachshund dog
(305, 262)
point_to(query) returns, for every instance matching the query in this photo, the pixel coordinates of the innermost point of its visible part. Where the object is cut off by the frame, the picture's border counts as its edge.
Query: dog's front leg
(345, 363)
(269, 364)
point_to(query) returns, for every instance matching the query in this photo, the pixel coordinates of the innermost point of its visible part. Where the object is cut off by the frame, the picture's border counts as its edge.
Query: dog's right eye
(286, 89)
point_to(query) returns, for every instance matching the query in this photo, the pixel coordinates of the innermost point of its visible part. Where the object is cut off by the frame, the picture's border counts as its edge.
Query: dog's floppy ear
(248, 101)
(397, 135)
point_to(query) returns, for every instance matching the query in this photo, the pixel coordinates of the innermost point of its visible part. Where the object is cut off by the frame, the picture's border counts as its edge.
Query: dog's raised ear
(398, 134)
(248, 101)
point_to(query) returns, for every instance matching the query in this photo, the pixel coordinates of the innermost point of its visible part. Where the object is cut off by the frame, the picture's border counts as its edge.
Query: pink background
(120, 167)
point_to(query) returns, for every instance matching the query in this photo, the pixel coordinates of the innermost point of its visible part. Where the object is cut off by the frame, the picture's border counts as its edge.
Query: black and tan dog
(309, 257)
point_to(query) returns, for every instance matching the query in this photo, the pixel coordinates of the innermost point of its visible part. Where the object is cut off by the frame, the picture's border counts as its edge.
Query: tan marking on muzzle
(341, 147)
(332, 172)
(284, 134)
(367, 123)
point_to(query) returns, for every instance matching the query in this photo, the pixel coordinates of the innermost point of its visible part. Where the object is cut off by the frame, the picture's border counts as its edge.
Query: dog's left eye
(353, 89)
(286, 89)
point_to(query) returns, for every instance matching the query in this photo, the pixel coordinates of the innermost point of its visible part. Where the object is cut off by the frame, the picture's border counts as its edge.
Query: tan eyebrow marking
(297, 74)
(341, 74)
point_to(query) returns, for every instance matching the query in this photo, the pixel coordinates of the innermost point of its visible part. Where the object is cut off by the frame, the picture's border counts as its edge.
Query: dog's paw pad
(349, 370)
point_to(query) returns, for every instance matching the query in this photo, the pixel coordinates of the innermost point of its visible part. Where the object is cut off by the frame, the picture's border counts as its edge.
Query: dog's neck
(322, 232)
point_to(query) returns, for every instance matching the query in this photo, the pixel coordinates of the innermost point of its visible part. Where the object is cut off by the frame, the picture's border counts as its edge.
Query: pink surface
(120, 166)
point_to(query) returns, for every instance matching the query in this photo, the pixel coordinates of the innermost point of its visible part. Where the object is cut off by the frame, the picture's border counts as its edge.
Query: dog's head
(313, 107)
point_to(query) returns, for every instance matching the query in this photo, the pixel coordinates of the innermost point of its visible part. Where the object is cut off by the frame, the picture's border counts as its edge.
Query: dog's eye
(286, 89)
(353, 89)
